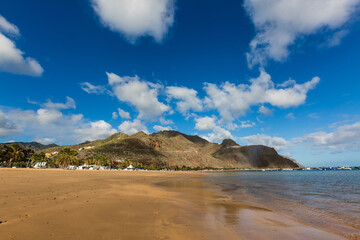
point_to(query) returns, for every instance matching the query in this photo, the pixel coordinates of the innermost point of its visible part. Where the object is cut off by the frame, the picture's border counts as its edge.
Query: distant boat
(344, 168)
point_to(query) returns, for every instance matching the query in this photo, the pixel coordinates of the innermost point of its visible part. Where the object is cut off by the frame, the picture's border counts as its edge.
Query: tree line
(18, 156)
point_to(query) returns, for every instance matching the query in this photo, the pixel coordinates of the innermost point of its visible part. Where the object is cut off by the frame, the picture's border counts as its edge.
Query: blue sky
(279, 73)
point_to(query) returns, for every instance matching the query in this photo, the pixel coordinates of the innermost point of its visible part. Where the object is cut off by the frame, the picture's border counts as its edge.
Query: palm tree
(4, 154)
(16, 154)
(98, 159)
(66, 157)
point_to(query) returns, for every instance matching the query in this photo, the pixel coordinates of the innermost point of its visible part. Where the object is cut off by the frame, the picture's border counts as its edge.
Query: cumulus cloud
(205, 123)
(6, 126)
(265, 111)
(232, 100)
(49, 116)
(161, 128)
(343, 138)
(132, 127)
(247, 124)
(165, 121)
(217, 133)
(95, 130)
(187, 99)
(114, 115)
(52, 124)
(260, 139)
(278, 23)
(123, 114)
(141, 94)
(12, 59)
(136, 18)
(288, 83)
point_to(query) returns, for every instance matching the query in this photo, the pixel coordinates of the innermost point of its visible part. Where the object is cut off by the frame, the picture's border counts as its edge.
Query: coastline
(58, 204)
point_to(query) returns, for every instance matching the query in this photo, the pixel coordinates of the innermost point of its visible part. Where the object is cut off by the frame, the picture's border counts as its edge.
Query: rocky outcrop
(256, 156)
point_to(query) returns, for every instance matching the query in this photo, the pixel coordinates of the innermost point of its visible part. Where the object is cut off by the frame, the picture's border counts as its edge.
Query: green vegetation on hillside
(163, 150)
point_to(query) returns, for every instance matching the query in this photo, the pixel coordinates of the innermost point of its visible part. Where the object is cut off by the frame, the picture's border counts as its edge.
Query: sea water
(324, 199)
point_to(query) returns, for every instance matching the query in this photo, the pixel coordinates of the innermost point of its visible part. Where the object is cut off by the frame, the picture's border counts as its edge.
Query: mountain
(172, 148)
(33, 145)
(256, 156)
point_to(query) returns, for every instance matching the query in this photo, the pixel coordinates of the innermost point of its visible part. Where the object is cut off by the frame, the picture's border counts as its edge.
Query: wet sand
(58, 204)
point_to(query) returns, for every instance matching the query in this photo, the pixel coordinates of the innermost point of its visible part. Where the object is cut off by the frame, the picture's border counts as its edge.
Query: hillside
(256, 156)
(33, 145)
(172, 148)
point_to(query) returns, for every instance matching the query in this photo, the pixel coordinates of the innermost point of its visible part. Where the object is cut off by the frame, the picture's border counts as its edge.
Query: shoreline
(58, 204)
(247, 220)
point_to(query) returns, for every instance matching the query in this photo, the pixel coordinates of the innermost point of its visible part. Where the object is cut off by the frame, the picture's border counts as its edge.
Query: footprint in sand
(25, 217)
(165, 223)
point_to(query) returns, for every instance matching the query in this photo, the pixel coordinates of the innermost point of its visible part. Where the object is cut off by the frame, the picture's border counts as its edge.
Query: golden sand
(59, 204)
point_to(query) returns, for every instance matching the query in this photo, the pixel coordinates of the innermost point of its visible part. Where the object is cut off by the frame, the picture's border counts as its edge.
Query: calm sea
(323, 199)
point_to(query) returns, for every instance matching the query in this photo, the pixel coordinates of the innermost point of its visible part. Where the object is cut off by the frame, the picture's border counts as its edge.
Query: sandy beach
(59, 204)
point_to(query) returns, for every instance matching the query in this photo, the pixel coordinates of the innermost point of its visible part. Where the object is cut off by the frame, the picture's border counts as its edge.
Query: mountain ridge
(173, 148)
(33, 145)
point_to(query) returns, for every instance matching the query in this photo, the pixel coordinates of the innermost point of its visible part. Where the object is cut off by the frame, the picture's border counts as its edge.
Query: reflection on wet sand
(247, 220)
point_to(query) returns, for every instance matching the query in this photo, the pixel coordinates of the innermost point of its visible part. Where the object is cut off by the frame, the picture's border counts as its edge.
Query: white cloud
(161, 128)
(165, 122)
(344, 138)
(11, 58)
(290, 116)
(337, 37)
(45, 140)
(123, 114)
(247, 124)
(278, 23)
(141, 94)
(233, 100)
(95, 130)
(49, 116)
(265, 111)
(136, 18)
(260, 139)
(115, 115)
(52, 124)
(70, 103)
(205, 123)
(187, 99)
(288, 83)
(90, 88)
(6, 126)
(217, 133)
(8, 28)
(130, 128)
